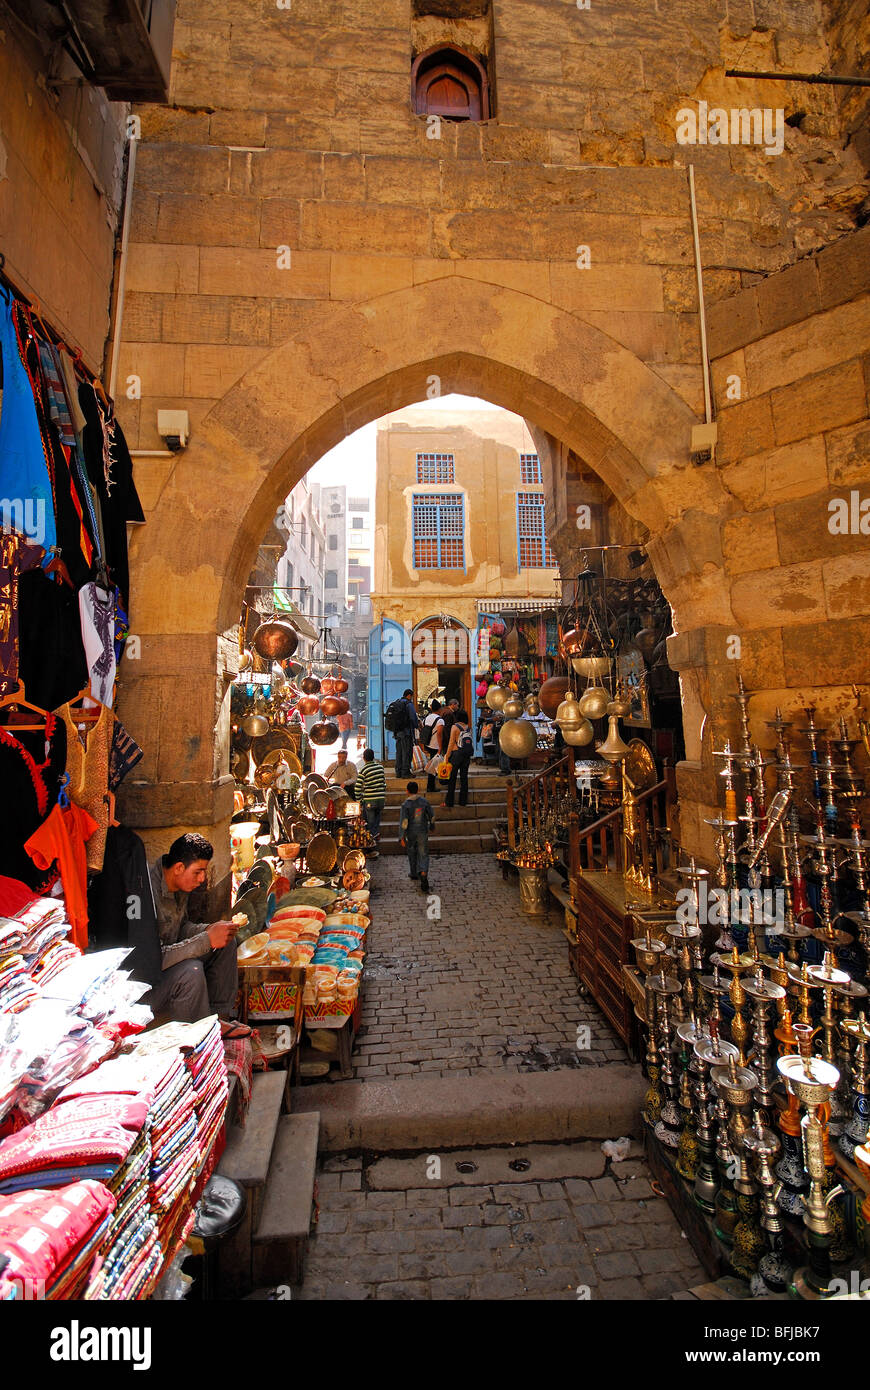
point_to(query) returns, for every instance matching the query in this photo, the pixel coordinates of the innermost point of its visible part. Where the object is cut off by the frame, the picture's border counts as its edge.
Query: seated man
(341, 773)
(200, 975)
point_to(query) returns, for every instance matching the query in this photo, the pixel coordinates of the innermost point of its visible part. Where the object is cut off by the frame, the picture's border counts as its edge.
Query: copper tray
(354, 861)
(321, 853)
(318, 801)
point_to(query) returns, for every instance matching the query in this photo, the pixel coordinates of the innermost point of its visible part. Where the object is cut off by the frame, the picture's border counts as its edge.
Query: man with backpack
(460, 750)
(401, 721)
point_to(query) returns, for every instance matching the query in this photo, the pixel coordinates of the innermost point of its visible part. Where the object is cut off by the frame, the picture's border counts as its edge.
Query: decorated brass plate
(321, 854)
(640, 767)
(276, 738)
(313, 779)
(301, 830)
(282, 755)
(318, 800)
(240, 766)
(354, 860)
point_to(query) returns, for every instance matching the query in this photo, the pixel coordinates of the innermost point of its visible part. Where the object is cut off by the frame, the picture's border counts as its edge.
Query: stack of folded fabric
(131, 1254)
(46, 947)
(207, 1067)
(17, 990)
(175, 1151)
(50, 1238)
(86, 1137)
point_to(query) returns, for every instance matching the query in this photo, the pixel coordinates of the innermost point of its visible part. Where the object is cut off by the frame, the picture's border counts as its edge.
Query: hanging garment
(110, 470)
(66, 439)
(51, 655)
(30, 780)
(88, 747)
(61, 839)
(97, 608)
(71, 534)
(121, 905)
(16, 556)
(24, 469)
(124, 754)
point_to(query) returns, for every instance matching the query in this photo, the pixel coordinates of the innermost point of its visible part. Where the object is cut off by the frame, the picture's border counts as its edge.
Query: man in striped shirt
(371, 790)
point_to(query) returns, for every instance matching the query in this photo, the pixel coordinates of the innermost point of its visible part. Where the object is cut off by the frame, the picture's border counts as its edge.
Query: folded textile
(41, 1231)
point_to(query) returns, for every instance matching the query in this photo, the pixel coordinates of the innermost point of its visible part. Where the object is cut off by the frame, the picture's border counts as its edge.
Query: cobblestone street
(484, 989)
(608, 1238)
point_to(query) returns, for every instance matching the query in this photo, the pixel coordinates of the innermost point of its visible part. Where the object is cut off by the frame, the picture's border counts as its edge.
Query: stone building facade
(306, 256)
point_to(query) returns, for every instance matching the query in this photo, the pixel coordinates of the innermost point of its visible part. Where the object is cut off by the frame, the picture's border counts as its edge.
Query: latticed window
(530, 469)
(439, 529)
(435, 468)
(533, 551)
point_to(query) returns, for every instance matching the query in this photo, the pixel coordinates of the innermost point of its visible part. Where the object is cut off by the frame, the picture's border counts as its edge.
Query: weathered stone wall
(459, 256)
(61, 168)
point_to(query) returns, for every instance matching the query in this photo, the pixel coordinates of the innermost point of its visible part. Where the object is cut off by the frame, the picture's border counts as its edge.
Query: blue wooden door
(389, 678)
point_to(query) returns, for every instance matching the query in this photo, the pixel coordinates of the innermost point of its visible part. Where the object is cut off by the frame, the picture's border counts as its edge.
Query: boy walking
(415, 818)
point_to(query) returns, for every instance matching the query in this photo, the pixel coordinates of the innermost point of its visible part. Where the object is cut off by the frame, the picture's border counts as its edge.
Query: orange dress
(62, 837)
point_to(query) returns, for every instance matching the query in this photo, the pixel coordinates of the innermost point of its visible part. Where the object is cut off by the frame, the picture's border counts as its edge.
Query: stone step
(447, 844)
(246, 1160)
(281, 1239)
(456, 822)
(487, 796)
(421, 1112)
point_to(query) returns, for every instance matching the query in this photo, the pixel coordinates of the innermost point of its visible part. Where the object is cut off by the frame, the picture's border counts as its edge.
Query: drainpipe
(708, 404)
(122, 268)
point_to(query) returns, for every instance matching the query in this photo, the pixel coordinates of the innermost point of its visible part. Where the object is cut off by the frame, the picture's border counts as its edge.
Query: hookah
(690, 1033)
(763, 993)
(763, 1144)
(853, 788)
(736, 965)
(856, 848)
(647, 951)
(790, 1172)
(728, 773)
(667, 1128)
(828, 979)
(710, 1052)
(790, 842)
(811, 1081)
(736, 1085)
(857, 1031)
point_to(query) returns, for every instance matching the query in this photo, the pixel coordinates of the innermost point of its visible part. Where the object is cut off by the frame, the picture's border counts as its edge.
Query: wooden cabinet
(604, 931)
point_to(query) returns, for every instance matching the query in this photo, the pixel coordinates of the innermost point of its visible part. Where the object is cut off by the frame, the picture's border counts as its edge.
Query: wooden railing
(529, 802)
(601, 846)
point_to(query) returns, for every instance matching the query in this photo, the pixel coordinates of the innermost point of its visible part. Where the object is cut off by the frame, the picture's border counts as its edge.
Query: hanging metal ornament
(532, 706)
(594, 701)
(323, 733)
(613, 748)
(512, 707)
(552, 693)
(310, 683)
(579, 737)
(517, 738)
(569, 715)
(515, 644)
(496, 696)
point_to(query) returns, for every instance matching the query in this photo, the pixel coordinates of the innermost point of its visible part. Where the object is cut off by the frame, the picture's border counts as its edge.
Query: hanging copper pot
(310, 684)
(256, 725)
(552, 693)
(323, 732)
(333, 705)
(309, 704)
(275, 639)
(327, 686)
(340, 685)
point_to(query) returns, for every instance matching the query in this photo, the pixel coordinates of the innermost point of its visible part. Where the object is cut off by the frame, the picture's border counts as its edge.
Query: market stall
(303, 887)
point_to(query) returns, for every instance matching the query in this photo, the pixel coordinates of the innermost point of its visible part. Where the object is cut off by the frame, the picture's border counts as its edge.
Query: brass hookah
(736, 1085)
(811, 1080)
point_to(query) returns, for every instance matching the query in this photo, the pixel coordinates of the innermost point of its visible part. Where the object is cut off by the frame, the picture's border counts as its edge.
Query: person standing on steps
(404, 723)
(415, 821)
(459, 753)
(371, 790)
(433, 733)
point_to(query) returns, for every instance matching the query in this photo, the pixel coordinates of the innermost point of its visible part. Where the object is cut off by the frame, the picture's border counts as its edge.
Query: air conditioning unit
(124, 46)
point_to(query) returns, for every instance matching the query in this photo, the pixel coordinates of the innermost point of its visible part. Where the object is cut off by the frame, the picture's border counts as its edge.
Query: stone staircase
(462, 830)
(274, 1158)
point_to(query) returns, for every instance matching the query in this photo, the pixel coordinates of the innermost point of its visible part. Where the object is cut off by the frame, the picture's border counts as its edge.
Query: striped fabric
(371, 783)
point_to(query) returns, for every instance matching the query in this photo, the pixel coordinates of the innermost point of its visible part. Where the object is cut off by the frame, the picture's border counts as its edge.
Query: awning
(517, 605)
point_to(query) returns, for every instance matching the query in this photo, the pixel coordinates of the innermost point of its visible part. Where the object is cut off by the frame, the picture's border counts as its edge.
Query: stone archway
(351, 365)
